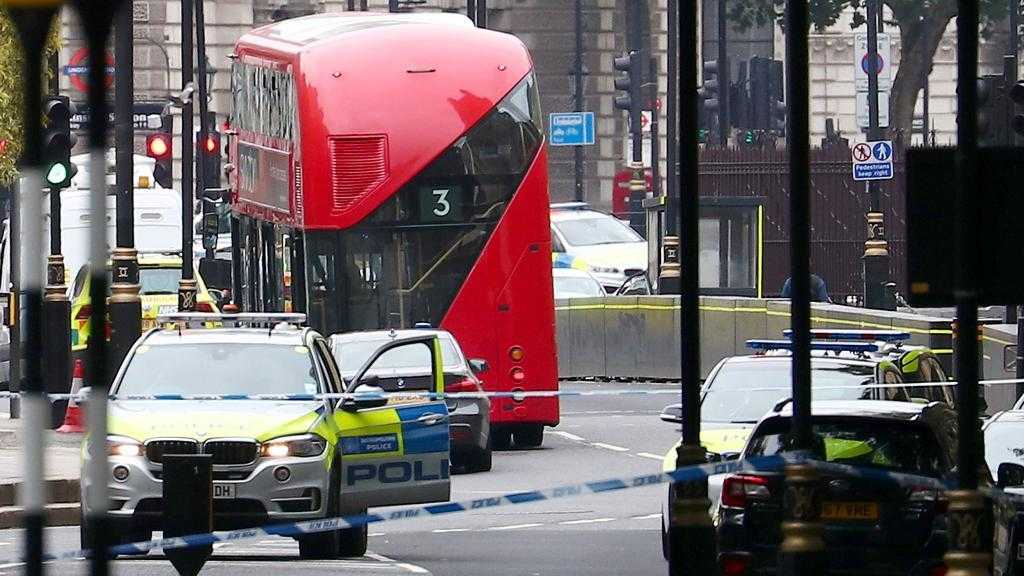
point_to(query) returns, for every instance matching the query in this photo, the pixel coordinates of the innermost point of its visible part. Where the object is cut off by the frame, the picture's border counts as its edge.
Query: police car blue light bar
(855, 335)
(821, 345)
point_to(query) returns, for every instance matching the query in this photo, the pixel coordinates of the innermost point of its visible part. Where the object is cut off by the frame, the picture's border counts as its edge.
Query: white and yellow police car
(274, 460)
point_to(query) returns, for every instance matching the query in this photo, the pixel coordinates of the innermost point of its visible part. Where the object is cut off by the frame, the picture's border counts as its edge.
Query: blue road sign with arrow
(571, 128)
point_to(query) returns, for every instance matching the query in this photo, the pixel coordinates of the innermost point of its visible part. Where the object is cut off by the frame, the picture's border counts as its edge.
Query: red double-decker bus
(391, 170)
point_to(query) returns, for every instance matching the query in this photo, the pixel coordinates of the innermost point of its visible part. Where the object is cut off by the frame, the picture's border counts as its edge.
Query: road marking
(449, 530)
(569, 436)
(514, 527)
(651, 456)
(588, 521)
(647, 517)
(377, 534)
(610, 447)
(414, 569)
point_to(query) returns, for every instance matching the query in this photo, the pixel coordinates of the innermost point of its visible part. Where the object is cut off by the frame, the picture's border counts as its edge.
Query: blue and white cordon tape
(685, 474)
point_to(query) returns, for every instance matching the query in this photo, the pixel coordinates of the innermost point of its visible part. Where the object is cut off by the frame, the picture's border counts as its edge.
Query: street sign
(145, 116)
(862, 109)
(77, 70)
(571, 128)
(873, 160)
(861, 63)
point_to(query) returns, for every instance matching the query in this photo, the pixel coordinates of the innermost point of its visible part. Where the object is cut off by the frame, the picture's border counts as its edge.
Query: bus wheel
(501, 438)
(530, 436)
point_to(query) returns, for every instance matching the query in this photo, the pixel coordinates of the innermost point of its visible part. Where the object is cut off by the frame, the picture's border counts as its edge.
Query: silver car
(408, 369)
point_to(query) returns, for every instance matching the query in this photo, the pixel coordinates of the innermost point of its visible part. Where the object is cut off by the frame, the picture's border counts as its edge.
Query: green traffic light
(57, 174)
(748, 137)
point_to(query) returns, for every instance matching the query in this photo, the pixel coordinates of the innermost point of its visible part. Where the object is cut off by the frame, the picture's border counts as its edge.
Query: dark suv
(872, 526)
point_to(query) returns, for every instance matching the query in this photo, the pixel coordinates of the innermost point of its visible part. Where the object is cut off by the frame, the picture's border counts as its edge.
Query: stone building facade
(545, 26)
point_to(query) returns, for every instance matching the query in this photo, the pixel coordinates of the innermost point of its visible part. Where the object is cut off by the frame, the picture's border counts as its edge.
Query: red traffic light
(212, 143)
(158, 146)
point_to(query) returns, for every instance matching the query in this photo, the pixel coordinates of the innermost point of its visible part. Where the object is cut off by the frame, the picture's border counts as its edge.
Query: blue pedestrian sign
(571, 128)
(873, 160)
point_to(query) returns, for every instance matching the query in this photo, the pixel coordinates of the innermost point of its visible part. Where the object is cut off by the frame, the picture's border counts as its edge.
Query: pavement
(607, 534)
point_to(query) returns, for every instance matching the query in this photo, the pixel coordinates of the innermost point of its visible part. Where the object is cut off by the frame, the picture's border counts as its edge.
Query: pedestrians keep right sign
(873, 160)
(571, 128)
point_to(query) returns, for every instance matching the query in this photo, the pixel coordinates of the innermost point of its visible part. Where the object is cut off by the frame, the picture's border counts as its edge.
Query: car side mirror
(730, 455)
(478, 366)
(673, 414)
(366, 394)
(1010, 475)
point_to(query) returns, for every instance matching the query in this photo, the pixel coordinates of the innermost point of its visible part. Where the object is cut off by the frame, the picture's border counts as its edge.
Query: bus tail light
(464, 385)
(737, 489)
(516, 353)
(517, 374)
(734, 564)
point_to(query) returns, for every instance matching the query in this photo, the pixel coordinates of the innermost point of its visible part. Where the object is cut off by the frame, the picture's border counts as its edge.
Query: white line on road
(651, 456)
(403, 565)
(377, 534)
(449, 530)
(647, 517)
(569, 436)
(514, 527)
(587, 521)
(610, 447)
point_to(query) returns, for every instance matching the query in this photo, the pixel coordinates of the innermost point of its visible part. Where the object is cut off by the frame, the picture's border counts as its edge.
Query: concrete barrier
(638, 337)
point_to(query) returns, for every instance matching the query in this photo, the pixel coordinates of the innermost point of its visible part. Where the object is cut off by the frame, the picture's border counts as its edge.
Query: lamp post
(876, 248)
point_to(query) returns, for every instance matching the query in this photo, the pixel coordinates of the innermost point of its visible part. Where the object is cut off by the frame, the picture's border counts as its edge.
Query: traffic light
(158, 147)
(992, 121)
(629, 84)
(1017, 97)
(210, 146)
(58, 141)
(776, 97)
(709, 92)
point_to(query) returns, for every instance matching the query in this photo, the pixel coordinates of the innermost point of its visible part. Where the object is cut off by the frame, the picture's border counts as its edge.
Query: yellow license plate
(849, 511)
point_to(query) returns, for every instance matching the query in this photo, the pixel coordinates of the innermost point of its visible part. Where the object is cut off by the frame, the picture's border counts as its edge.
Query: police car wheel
(482, 461)
(530, 436)
(324, 545)
(353, 541)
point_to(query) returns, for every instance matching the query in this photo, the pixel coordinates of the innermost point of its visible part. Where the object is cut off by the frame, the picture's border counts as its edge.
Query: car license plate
(224, 490)
(849, 510)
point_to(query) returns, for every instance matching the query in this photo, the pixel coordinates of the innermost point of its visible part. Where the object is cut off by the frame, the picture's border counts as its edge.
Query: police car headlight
(604, 270)
(305, 446)
(123, 446)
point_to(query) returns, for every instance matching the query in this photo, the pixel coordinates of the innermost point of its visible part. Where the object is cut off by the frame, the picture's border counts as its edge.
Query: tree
(922, 24)
(12, 96)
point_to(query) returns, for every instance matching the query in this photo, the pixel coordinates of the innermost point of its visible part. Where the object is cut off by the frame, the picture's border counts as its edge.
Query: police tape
(293, 529)
(517, 395)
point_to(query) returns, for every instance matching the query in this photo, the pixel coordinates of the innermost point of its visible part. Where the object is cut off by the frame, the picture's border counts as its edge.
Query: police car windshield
(352, 355)
(907, 447)
(219, 368)
(594, 231)
(743, 392)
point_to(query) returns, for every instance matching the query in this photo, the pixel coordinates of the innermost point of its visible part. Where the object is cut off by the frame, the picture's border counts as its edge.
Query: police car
(740, 390)
(273, 460)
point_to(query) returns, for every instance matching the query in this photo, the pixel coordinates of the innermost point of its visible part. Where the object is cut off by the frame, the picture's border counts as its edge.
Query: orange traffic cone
(73, 417)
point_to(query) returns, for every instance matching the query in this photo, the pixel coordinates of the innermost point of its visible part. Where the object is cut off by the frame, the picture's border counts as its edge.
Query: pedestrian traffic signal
(58, 141)
(158, 147)
(629, 84)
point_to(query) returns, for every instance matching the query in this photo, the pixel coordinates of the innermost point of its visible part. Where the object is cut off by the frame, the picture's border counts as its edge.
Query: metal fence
(838, 208)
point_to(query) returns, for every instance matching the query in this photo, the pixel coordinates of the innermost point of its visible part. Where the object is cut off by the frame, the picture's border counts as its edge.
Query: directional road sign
(571, 128)
(873, 160)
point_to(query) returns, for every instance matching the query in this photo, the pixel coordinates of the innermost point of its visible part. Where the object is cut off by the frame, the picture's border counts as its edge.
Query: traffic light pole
(578, 97)
(876, 248)
(187, 287)
(668, 281)
(637, 182)
(803, 547)
(125, 304)
(56, 316)
(970, 535)
(204, 117)
(691, 535)
(724, 76)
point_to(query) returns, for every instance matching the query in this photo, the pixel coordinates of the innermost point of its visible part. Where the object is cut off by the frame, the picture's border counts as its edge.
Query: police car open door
(394, 450)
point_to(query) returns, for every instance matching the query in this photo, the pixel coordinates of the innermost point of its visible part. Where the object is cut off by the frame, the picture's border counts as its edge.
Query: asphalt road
(610, 534)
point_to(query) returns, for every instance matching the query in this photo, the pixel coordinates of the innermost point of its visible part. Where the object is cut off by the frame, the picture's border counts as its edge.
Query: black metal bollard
(188, 507)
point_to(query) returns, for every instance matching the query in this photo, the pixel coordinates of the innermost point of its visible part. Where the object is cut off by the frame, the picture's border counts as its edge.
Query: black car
(872, 526)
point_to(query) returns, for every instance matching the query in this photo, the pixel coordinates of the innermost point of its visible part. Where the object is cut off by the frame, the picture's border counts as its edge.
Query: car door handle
(432, 418)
